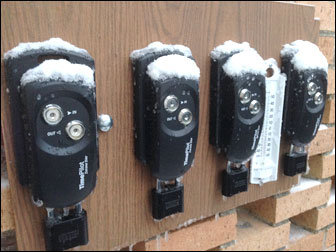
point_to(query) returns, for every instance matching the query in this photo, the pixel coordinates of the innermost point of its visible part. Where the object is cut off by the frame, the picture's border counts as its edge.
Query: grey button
(312, 88)
(318, 98)
(171, 103)
(185, 116)
(245, 96)
(52, 114)
(75, 130)
(254, 107)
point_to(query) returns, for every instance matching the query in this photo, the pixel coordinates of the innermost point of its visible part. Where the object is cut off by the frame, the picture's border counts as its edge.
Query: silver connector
(254, 107)
(171, 103)
(52, 114)
(75, 130)
(185, 116)
(245, 96)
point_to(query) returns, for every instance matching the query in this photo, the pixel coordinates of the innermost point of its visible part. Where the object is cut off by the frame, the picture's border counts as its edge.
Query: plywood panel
(119, 209)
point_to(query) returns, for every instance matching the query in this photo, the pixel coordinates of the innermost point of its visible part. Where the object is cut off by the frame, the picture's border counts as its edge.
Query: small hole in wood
(269, 72)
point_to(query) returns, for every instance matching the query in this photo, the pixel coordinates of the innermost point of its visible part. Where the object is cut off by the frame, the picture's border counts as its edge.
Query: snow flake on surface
(59, 70)
(304, 184)
(51, 44)
(247, 61)
(173, 65)
(228, 47)
(305, 55)
(159, 47)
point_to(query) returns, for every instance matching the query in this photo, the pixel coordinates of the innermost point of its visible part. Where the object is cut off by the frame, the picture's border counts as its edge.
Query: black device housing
(295, 163)
(51, 165)
(167, 202)
(63, 170)
(66, 232)
(232, 128)
(14, 69)
(302, 117)
(168, 147)
(234, 181)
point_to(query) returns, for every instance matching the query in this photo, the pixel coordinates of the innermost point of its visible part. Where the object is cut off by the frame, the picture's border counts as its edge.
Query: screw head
(105, 122)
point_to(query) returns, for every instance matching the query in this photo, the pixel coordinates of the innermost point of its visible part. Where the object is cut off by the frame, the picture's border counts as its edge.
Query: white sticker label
(82, 171)
(188, 151)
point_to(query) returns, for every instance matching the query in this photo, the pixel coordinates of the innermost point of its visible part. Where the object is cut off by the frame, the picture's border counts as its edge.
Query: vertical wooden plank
(119, 209)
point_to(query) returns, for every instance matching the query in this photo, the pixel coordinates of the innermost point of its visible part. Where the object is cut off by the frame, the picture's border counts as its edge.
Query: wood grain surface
(119, 209)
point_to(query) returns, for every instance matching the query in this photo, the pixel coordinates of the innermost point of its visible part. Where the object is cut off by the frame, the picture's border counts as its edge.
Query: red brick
(253, 234)
(329, 111)
(317, 218)
(203, 235)
(330, 236)
(302, 240)
(325, 11)
(300, 199)
(323, 142)
(321, 166)
(330, 249)
(327, 47)
(331, 81)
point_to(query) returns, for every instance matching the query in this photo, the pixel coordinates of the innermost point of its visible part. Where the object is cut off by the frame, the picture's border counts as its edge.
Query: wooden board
(119, 209)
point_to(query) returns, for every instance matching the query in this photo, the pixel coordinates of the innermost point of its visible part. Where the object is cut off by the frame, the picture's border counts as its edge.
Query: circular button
(75, 130)
(245, 96)
(254, 107)
(312, 87)
(318, 98)
(171, 103)
(52, 114)
(185, 116)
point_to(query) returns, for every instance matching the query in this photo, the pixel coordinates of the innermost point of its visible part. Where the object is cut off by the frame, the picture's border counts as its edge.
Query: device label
(255, 137)
(83, 170)
(187, 151)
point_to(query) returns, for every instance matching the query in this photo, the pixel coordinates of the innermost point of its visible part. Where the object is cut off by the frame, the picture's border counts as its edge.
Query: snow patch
(159, 47)
(248, 61)
(323, 127)
(332, 197)
(4, 183)
(305, 55)
(297, 233)
(228, 47)
(304, 184)
(51, 44)
(173, 65)
(59, 70)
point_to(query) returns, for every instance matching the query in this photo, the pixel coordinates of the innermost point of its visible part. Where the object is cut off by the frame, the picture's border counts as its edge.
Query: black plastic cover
(233, 128)
(295, 163)
(67, 232)
(167, 202)
(63, 171)
(161, 141)
(14, 69)
(302, 117)
(235, 181)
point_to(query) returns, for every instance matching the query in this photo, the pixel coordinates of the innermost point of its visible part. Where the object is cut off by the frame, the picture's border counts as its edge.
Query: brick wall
(300, 219)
